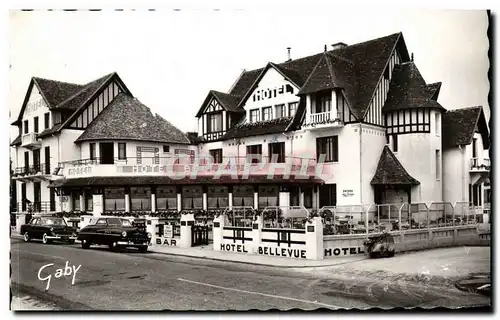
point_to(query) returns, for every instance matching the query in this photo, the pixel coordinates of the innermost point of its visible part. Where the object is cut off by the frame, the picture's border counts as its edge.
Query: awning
(391, 172)
(162, 180)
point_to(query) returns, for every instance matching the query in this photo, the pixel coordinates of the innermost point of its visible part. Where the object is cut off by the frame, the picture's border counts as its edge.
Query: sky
(171, 59)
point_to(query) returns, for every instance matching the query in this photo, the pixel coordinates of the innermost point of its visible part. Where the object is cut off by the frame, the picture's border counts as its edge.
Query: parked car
(48, 229)
(380, 245)
(115, 233)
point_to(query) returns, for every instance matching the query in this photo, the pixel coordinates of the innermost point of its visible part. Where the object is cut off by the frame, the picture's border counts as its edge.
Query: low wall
(417, 239)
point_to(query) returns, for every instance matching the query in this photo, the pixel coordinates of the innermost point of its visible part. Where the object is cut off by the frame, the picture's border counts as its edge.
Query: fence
(284, 217)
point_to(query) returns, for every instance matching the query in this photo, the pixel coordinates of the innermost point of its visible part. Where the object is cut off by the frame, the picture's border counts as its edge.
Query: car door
(101, 231)
(31, 228)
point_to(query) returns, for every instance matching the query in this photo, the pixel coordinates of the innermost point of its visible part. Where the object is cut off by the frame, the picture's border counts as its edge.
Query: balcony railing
(322, 119)
(480, 164)
(252, 165)
(36, 169)
(35, 207)
(29, 140)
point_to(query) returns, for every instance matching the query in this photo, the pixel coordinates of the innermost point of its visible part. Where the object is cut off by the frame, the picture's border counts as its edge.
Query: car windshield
(126, 223)
(53, 221)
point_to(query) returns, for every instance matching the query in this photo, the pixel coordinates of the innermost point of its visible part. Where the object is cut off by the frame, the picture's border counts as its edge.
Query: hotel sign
(79, 170)
(269, 93)
(32, 106)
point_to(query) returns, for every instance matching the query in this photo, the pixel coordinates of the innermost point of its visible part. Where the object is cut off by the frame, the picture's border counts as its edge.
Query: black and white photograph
(320, 157)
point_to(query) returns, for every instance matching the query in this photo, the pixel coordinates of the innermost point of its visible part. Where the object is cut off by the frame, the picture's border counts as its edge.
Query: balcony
(37, 172)
(480, 165)
(30, 141)
(321, 120)
(293, 167)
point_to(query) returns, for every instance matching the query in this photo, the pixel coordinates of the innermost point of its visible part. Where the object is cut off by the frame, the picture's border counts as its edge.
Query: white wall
(272, 79)
(456, 176)
(373, 142)
(417, 153)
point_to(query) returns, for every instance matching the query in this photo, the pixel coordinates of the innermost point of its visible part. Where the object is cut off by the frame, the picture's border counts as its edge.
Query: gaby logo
(66, 272)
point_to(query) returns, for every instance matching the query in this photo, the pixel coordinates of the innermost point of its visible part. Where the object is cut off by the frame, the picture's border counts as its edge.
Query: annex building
(354, 124)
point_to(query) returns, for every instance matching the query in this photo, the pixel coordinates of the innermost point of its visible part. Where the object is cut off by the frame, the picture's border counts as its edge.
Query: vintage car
(48, 229)
(115, 233)
(381, 245)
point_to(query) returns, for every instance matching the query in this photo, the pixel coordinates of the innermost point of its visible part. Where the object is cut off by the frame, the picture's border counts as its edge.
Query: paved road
(133, 281)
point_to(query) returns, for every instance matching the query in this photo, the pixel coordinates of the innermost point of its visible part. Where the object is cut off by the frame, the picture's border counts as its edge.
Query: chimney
(338, 45)
(412, 56)
(325, 47)
(289, 56)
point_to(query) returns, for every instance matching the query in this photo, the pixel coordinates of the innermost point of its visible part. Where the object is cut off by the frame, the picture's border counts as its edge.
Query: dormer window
(254, 115)
(323, 102)
(214, 122)
(292, 108)
(279, 111)
(266, 113)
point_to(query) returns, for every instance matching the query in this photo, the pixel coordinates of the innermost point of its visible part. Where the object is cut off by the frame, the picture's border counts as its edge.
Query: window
(327, 195)
(102, 222)
(308, 197)
(386, 139)
(278, 151)
(89, 201)
(438, 164)
(122, 150)
(192, 197)
(268, 196)
(323, 102)
(214, 122)
(217, 197)
(279, 111)
(243, 195)
(216, 154)
(140, 198)
(35, 124)
(26, 127)
(254, 153)
(386, 73)
(166, 149)
(46, 120)
(436, 120)
(75, 196)
(254, 115)
(166, 198)
(292, 108)
(394, 143)
(329, 147)
(114, 199)
(266, 113)
(92, 151)
(474, 148)
(294, 196)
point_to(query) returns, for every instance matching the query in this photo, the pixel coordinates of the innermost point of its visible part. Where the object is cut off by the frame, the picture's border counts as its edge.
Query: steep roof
(56, 92)
(459, 125)
(228, 101)
(356, 69)
(16, 142)
(390, 171)
(409, 90)
(78, 98)
(125, 118)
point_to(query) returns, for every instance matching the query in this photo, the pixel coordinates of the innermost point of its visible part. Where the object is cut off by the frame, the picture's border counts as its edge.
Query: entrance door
(36, 160)
(106, 151)
(37, 197)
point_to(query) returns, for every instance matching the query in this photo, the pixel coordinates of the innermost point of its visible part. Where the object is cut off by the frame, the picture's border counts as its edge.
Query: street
(129, 280)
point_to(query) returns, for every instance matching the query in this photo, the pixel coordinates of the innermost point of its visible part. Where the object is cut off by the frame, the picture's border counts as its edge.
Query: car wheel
(26, 237)
(71, 241)
(113, 246)
(143, 249)
(44, 239)
(85, 244)
(391, 254)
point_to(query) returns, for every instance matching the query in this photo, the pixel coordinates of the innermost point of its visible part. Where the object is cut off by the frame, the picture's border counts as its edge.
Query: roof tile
(390, 171)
